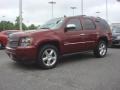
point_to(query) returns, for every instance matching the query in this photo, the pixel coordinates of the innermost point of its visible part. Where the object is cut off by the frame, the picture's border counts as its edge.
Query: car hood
(31, 33)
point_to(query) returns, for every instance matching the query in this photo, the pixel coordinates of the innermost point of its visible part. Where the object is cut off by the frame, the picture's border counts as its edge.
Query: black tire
(41, 63)
(1, 46)
(97, 51)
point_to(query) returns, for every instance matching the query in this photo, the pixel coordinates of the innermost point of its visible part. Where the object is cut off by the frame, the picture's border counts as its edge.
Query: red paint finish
(4, 36)
(3, 39)
(22, 54)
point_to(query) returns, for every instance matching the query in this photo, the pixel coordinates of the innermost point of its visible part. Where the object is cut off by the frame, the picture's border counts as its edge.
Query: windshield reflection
(52, 24)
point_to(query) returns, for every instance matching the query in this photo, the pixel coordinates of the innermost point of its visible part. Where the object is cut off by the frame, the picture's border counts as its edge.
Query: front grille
(13, 41)
(12, 44)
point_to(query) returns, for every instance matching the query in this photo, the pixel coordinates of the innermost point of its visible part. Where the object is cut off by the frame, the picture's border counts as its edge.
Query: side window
(103, 25)
(88, 24)
(74, 23)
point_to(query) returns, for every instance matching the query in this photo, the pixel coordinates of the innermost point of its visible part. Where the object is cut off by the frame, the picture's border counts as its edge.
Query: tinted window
(75, 22)
(103, 25)
(88, 24)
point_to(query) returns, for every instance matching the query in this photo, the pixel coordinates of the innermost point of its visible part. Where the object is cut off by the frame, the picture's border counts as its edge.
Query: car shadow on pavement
(76, 58)
(66, 60)
(24, 66)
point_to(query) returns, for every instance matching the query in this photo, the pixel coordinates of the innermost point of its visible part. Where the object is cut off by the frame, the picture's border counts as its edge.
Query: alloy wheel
(102, 49)
(49, 57)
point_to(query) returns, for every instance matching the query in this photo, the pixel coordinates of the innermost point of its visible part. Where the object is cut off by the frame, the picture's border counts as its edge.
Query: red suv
(58, 37)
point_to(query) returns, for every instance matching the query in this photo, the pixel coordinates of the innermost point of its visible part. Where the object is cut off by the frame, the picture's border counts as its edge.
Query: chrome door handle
(82, 34)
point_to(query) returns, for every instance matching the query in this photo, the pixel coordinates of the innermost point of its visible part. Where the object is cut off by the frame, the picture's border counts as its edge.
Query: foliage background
(7, 25)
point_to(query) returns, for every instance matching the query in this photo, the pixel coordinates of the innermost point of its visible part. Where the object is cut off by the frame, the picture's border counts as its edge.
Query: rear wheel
(48, 57)
(101, 49)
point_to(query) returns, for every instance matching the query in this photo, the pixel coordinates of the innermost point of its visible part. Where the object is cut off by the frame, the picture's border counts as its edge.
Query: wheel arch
(104, 38)
(55, 43)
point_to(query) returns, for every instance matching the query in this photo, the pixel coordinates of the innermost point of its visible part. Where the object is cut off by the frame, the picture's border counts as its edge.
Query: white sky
(39, 11)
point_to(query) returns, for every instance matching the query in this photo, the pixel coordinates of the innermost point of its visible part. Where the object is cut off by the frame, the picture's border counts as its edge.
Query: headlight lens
(26, 41)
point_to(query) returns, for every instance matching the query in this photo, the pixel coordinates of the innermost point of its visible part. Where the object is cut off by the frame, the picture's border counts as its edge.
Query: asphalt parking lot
(77, 72)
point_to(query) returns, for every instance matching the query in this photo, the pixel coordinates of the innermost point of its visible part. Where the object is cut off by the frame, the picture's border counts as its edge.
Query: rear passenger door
(90, 33)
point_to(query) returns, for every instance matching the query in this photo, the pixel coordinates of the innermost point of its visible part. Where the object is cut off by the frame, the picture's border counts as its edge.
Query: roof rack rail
(83, 15)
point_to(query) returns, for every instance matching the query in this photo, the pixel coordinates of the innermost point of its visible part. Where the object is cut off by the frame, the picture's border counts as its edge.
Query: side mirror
(70, 27)
(97, 20)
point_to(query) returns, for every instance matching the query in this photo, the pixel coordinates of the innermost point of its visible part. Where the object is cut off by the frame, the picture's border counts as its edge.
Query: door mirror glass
(70, 26)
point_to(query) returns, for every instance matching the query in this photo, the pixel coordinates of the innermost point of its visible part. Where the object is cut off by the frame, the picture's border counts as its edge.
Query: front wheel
(101, 49)
(1, 46)
(48, 57)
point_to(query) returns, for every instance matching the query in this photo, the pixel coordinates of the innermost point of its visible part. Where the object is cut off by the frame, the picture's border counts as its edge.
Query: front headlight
(25, 41)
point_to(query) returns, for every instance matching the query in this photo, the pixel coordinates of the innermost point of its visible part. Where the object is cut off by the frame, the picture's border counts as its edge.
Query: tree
(32, 26)
(6, 25)
(17, 23)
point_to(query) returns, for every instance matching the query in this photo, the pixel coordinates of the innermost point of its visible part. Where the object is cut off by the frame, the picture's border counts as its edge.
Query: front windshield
(116, 30)
(52, 24)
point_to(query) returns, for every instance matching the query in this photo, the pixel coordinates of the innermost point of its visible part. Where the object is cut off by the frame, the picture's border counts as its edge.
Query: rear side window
(88, 24)
(103, 25)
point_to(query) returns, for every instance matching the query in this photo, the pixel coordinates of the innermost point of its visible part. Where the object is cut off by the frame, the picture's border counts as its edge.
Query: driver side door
(73, 36)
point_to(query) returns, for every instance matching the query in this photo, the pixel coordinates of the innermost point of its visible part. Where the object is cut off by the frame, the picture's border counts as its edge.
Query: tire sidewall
(1, 46)
(41, 51)
(97, 51)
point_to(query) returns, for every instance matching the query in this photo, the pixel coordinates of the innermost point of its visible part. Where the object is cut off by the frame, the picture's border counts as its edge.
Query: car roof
(83, 16)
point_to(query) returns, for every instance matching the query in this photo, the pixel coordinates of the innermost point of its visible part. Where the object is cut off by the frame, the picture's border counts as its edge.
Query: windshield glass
(52, 24)
(116, 30)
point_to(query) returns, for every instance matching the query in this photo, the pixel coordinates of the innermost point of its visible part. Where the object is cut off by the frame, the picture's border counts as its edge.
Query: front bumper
(27, 54)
